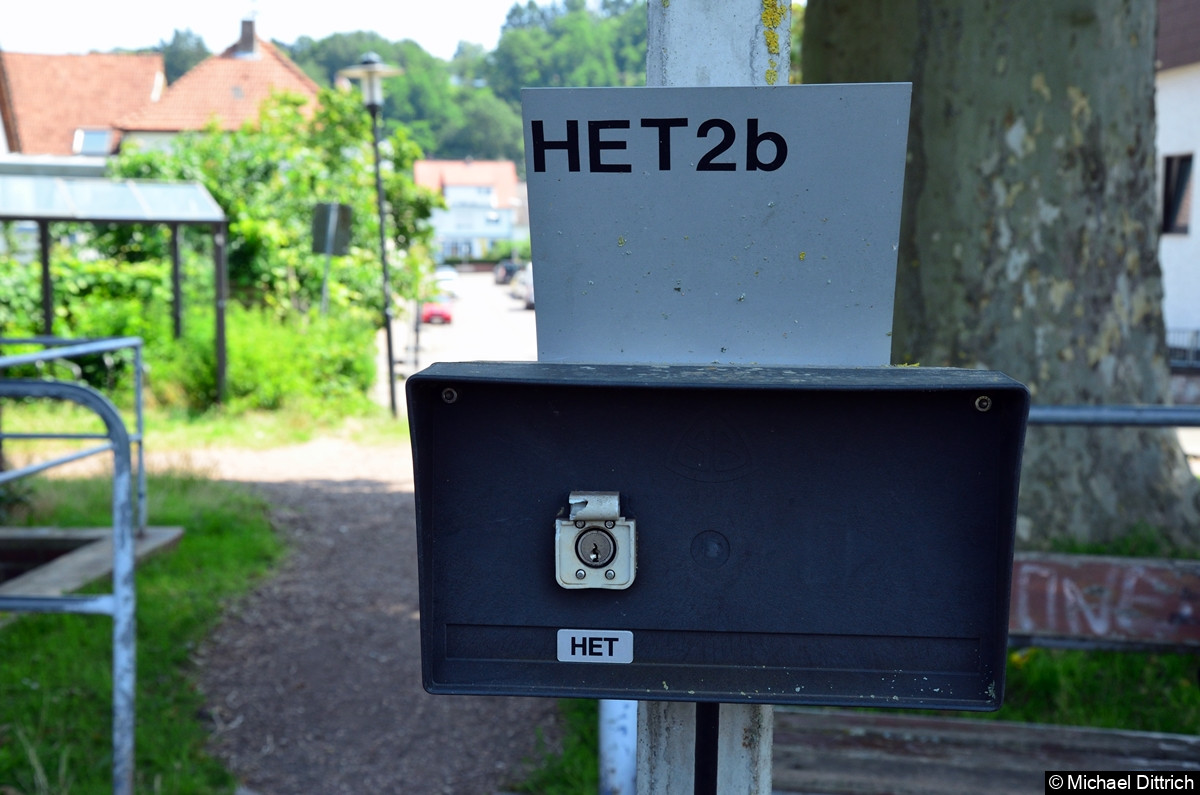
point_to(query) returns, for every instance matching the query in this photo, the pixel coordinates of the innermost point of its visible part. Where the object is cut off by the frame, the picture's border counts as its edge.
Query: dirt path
(313, 683)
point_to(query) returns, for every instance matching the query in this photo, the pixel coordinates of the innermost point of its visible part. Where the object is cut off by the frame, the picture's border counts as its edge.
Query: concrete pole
(711, 43)
(718, 43)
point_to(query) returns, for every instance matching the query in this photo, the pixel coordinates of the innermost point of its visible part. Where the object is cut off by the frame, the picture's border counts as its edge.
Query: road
(488, 325)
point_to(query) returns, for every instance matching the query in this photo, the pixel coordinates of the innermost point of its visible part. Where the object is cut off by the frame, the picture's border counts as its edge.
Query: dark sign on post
(822, 536)
(331, 229)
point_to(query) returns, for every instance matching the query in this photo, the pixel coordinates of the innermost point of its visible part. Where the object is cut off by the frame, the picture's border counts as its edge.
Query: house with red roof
(69, 104)
(227, 88)
(91, 104)
(485, 204)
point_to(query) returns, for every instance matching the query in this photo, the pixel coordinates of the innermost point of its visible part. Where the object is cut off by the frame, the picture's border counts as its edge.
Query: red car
(436, 312)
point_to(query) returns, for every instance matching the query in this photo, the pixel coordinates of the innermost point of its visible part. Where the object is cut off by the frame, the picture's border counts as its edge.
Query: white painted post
(711, 43)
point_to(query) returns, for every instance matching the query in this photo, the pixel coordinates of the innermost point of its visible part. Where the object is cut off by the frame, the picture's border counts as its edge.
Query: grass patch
(177, 429)
(261, 430)
(1103, 689)
(574, 769)
(55, 683)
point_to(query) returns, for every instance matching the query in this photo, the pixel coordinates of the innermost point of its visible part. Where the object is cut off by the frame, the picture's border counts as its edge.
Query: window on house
(92, 142)
(1177, 194)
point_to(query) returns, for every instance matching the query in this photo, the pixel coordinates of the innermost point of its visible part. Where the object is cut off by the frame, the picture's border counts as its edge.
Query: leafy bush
(305, 361)
(268, 176)
(20, 298)
(298, 359)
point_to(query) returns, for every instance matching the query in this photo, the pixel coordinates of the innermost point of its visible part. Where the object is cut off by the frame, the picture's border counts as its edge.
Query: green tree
(469, 65)
(268, 176)
(569, 45)
(1028, 242)
(531, 15)
(184, 51)
(796, 74)
(490, 129)
(322, 59)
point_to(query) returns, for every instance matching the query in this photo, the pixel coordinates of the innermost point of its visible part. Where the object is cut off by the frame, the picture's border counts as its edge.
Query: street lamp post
(370, 73)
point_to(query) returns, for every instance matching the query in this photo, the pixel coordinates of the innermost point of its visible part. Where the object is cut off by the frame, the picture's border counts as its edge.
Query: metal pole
(139, 372)
(417, 335)
(222, 296)
(618, 747)
(176, 283)
(708, 733)
(47, 285)
(387, 286)
(124, 611)
(1143, 416)
(330, 231)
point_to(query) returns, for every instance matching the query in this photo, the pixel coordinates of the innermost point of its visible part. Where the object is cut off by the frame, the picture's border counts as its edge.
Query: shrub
(323, 364)
(302, 361)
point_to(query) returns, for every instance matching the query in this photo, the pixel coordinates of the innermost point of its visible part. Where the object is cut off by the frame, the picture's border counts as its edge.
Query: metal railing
(1144, 416)
(120, 604)
(1183, 349)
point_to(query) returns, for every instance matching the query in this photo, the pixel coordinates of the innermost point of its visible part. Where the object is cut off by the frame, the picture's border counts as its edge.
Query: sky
(80, 26)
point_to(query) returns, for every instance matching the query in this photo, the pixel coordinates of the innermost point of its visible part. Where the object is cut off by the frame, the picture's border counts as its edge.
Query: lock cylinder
(595, 546)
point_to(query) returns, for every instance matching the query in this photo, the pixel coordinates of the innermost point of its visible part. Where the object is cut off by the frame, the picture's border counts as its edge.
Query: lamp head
(370, 72)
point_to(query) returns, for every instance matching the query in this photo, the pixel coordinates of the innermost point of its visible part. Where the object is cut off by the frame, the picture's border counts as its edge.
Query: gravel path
(313, 683)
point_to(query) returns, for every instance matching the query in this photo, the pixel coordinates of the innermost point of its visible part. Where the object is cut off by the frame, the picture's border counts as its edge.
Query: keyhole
(595, 547)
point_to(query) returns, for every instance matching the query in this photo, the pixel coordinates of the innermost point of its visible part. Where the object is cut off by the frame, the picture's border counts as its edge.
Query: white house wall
(1178, 108)
(470, 231)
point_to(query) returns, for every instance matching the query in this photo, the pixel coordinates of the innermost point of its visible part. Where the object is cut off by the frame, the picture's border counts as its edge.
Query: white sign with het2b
(595, 645)
(716, 225)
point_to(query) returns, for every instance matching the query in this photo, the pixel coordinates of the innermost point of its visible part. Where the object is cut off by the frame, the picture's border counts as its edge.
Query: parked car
(437, 311)
(505, 271)
(445, 280)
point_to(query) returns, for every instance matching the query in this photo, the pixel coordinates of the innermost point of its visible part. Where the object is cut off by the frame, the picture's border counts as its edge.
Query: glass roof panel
(21, 193)
(37, 198)
(182, 200)
(99, 198)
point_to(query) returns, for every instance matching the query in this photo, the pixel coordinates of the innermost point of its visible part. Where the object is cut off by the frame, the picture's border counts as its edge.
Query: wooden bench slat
(1102, 601)
(818, 751)
(1078, 601)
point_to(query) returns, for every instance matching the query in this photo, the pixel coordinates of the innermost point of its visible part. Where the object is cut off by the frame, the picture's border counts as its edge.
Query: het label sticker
(595, 646)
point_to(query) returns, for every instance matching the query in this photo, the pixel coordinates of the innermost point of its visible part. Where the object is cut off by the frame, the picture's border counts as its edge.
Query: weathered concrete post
(711, 43)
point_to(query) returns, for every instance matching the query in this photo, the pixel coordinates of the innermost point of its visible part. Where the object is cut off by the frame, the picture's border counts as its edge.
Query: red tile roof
(498, 174)
(229, 87)
(45, 98)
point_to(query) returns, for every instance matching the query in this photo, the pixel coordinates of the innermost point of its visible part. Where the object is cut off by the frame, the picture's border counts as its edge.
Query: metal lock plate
(595, 546)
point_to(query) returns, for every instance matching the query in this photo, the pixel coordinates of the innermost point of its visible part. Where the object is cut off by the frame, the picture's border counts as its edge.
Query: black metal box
(818, 536)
